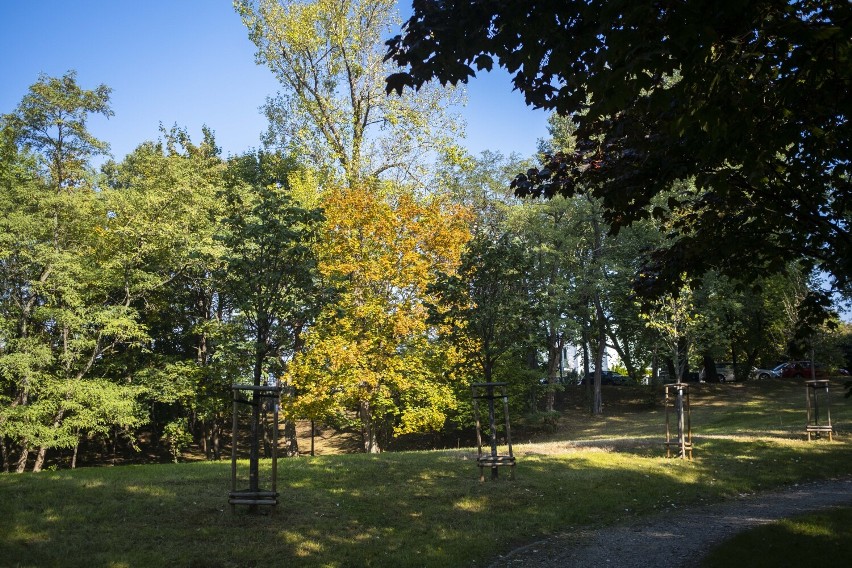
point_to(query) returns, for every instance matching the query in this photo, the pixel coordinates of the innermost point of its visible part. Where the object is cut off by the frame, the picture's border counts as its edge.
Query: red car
(802, 370)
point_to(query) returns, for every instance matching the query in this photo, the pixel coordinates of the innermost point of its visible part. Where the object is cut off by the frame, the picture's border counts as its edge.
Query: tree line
(362, 260)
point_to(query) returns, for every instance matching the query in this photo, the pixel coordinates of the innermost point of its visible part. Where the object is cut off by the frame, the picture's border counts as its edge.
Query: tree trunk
(597, 409)
(751, 358)
(216, 441)
(4, 450)
(74, 456)
(368, 431)
(39, 462)
(532, 365)
(599, 313)
(683, 358)
(555, 343)
(115, 444)
(266, 427)
(254, 446)
(671, 369)
(655, 368)
(21, 465)
(624, 354)
(710, 373)
(42, 451)
(597, 405)
(211, 431)
(734, 362)
(586, 357)
(291, 442)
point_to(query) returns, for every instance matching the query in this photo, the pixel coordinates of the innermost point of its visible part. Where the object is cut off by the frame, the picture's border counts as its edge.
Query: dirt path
(678, 539)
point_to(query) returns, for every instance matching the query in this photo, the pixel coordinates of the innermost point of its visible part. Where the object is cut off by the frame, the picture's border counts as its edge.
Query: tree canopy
(331, 110)
(133, 298)
(748, 99)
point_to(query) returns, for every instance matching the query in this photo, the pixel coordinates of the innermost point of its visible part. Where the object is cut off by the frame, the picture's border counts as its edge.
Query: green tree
(63, 313)
(551, 234)
(483, 305)
(659, 93)
(600, 268)
(164, 215)
(51, 121)
(675, 320)
(23, 238)
(328, 57)
(270, 272)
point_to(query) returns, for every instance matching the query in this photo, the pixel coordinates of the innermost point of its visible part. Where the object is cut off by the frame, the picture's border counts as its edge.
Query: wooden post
(508, 433)
(235, 397)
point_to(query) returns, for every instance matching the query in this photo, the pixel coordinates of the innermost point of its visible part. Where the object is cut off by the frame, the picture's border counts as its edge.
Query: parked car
(724, 374)
(763, 374)
(800, 370)
(779, 369)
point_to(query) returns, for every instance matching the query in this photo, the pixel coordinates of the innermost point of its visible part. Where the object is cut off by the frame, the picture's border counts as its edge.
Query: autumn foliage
(371, 351)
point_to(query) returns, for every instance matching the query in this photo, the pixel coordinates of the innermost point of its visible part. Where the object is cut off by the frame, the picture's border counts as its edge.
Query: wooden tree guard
(486, 391)
(677, 399)
(254, 495)
(813, 390)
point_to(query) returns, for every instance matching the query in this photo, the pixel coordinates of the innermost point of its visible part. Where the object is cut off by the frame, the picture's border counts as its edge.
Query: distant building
(572, 360)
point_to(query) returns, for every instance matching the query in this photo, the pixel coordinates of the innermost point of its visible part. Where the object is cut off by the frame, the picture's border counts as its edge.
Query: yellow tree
(371, 355)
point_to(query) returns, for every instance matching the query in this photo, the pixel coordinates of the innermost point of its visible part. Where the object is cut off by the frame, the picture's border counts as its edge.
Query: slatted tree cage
(679, 437)
(258, 398)
(817, 404)
(488, 392)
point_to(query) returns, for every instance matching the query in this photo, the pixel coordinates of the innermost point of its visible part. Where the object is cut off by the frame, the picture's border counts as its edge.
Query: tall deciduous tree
(270, 272)
(675, 320)
(51, 122)
(372, 351)
(164, 211)
(484, 305)
(552, 235)
(328, 57)
(69, 314)
(749, 100)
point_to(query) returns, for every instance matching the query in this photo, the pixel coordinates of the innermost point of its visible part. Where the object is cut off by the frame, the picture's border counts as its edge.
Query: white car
(764, 373)
(724, 374)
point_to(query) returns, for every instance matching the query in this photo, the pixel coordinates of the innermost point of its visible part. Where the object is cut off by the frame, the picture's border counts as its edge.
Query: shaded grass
(820, 539)
(412, 509)
(404, 509)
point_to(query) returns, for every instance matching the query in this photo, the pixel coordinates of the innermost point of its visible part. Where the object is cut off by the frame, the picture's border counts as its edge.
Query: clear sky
(190, 62)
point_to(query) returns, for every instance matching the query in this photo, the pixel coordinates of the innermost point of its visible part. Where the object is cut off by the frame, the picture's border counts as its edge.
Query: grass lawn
(822, 539)
(422, 508)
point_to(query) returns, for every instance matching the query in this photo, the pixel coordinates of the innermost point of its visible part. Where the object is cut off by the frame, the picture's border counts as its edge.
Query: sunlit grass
(408, 509)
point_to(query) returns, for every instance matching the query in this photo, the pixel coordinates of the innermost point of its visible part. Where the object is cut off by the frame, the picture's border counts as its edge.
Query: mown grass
(407, 509)
(821, 539)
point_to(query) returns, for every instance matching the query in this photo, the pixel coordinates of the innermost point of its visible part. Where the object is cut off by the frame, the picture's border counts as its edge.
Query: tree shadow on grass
(411, 509)
(819, 539)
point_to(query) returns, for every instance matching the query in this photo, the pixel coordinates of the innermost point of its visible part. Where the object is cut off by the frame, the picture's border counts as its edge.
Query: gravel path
(678, 539)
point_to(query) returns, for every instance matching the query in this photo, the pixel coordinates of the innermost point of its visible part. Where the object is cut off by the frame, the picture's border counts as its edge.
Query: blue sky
(190, 62)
